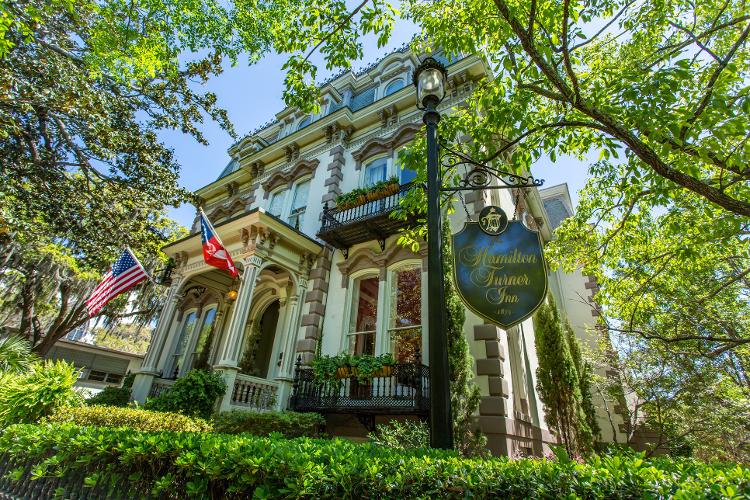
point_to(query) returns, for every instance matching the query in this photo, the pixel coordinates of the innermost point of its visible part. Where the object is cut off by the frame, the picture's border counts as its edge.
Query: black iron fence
(397, 389)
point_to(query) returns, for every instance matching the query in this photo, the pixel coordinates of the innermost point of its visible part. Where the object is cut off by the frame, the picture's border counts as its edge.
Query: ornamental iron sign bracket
(499, 268)
(480, 174)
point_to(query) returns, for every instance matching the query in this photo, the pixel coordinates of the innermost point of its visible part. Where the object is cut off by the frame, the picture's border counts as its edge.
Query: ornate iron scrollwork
(480, 174)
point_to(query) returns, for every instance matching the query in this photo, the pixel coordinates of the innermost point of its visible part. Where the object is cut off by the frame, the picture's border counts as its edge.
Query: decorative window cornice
(377, 145)
(300, 169)
(367, 258)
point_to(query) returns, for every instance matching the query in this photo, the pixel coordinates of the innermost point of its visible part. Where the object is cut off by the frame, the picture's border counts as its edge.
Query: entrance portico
(246, 328)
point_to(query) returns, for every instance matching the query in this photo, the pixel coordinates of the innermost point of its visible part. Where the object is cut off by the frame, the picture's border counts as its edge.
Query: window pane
(304, 123)
(394, 86)
(406, 314)
(208, 323)
(179, 353)
(406, 298)
(276, 203)
(405, 343)
(375, 172)
(300, 195)
(407, 175)
(364, 317)
(362, 343)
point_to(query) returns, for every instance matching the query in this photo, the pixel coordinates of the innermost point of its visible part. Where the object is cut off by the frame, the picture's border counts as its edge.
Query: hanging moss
(465, 396)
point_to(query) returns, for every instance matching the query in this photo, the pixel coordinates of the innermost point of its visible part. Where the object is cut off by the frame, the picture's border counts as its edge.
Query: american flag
(126, 272)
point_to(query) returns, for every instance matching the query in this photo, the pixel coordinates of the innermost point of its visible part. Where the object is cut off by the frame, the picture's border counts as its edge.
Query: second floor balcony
(363, 220)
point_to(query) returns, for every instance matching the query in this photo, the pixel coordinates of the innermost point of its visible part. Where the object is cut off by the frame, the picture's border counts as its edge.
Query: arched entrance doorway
(256, 359)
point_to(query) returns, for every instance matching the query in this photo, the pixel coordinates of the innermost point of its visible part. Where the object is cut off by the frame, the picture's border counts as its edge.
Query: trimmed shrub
(405, 435)
(193, 395)
(121, 463)
(29, 396)
(114, 396)
(288, 423)
(134, 418)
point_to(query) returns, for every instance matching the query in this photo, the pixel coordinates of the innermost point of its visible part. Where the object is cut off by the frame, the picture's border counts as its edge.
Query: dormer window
(304, 123)
(394, 86)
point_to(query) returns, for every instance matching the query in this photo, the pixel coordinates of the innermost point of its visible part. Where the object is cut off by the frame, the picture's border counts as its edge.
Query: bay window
(276, 204)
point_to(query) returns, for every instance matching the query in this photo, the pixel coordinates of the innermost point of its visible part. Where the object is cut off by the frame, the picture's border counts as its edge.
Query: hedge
(134, 418)
(120, 463)
(288, 423)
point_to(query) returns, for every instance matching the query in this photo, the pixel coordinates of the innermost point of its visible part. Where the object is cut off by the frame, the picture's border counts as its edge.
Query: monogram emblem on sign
(493, 220)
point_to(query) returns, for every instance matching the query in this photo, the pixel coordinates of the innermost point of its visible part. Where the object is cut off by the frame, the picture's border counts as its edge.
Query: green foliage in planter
(401, 435)
(360, 196)
(114, 396)
(288, 423)
(193, 395)
(207, 465)
(365, 365)
(133, 418)
(27, 397)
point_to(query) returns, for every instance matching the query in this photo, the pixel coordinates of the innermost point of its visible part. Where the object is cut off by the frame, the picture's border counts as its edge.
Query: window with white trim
(299, 204)
(276, 203)
(204, 333)
(375, 171)
(405, 315)
(304, 122)
(394, 86)
(181, 347)
(363, 323)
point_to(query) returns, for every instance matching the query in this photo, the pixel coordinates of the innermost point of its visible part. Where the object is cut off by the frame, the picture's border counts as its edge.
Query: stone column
(292, 331)
(231, 352)
(145, 376)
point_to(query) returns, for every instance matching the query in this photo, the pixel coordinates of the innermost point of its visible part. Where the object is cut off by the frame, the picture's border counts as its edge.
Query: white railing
(254, 393)
(158, 386)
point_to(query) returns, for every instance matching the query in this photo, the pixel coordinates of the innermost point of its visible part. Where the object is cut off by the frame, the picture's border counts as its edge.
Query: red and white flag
(214, 252)
(126, 272)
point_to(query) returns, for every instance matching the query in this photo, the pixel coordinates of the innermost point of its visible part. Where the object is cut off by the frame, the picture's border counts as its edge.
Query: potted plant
(392, 186)
(364, 367)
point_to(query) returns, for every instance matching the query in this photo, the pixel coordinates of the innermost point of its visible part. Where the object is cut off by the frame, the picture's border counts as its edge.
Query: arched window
(304, 123)
(394, 86)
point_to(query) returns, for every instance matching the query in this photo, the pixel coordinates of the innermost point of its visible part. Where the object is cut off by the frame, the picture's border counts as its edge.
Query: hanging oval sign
(499, 268)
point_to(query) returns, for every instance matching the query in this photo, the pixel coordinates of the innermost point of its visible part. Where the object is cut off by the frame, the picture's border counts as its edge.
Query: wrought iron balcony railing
(400, 389)
(371, 220)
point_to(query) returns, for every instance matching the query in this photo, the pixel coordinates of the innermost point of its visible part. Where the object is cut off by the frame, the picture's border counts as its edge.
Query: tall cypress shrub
(591, 431)
(465, 396)
(559, 380)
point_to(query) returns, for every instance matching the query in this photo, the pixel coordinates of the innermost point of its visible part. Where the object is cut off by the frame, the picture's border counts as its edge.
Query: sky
(252, 96)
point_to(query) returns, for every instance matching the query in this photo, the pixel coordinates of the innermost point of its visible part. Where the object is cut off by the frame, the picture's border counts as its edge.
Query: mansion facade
(321, 279)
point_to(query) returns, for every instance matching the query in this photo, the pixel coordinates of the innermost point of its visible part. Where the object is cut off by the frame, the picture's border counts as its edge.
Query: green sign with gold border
(499, 268)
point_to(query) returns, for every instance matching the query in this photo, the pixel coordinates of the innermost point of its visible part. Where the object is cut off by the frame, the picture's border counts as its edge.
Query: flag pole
(132, 253)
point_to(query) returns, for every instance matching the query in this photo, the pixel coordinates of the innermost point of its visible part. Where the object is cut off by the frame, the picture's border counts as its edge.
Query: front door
(267, 330)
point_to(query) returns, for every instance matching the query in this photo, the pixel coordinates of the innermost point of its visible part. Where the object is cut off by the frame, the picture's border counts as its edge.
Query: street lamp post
(430, 79)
